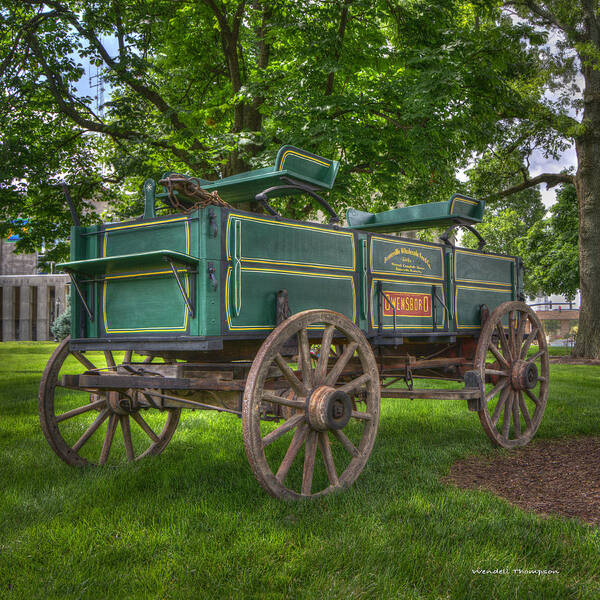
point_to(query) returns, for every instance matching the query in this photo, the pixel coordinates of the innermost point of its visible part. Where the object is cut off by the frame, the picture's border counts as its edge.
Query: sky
(540, 164)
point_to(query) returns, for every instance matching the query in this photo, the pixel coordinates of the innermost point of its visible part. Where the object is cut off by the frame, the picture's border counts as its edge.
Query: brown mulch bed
(546, 477)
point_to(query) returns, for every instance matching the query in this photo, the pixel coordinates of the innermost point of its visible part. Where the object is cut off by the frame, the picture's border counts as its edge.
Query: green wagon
(298, 328)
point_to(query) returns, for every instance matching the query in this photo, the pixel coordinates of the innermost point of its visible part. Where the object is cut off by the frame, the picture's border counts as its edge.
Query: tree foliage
(548, 245)
(551, 248)
(400, 93)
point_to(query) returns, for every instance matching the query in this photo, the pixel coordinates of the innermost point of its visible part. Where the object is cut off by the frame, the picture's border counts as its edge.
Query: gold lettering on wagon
(407, 264)
(407, 304)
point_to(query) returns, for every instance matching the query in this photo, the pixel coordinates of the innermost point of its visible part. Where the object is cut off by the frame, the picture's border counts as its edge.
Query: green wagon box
(297, 327)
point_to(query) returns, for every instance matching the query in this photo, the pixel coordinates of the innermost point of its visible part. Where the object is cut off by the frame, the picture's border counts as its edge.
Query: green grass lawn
(194, 523)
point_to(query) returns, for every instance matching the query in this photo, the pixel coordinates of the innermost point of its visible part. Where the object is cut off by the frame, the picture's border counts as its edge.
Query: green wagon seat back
(307, 166)
(291, 163)
(459, 209)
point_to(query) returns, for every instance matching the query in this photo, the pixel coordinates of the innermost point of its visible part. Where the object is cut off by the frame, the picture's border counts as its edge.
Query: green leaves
(548, 245)
(402, 94)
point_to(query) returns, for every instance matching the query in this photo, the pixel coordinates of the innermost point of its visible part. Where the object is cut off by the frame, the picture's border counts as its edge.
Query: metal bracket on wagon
(473, 380)
(211, 276)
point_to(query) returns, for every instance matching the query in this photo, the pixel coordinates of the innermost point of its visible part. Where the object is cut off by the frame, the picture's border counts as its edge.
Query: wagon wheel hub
(524, 375)
(328, 408)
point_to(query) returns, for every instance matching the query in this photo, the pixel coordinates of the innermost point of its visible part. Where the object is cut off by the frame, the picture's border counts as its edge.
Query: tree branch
(550, 179)
(135, 84)
(29, 26)
(120, 33)
(338, 47)
(546, 16)
(237, 18)
(589, 11)
(223, 24)
(59, 91)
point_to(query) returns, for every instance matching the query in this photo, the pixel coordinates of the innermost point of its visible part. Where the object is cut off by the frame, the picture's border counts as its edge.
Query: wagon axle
(122, 403)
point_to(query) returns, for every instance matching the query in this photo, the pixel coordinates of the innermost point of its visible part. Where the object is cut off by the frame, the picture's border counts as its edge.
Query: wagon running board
(120, 382)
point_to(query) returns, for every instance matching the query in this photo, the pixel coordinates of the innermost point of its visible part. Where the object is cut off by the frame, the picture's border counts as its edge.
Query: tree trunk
(337, 52)
(587, 183)
(247, 116)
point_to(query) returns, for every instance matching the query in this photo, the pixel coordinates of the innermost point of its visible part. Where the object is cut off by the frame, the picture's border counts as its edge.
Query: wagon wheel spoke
(341, 363)
(516, 417)
(310, 452)
(145, 427)
(355, 384)
(524, 318)
(537, 355)
(287, 372)
(102, 416)
(325, 448)
(511, 333)
(80, 410)
(533, 397)
(507, 415)
(292, 451)
(126, 431)
(108, 439)
(496, 372)
(283, 429)
(500, 405)
(324, 352)
(363, 416)
(306, 362)
(343, 439)
(494, 350)
(527, 343)
(497, 388)
(503, 341)
(524, 410)
(268, 397)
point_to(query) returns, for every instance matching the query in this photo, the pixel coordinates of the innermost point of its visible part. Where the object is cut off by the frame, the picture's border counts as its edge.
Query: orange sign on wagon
(407, 304)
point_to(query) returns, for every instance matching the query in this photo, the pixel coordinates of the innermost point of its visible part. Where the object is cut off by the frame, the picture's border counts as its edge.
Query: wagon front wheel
(97, 426)
(295, 411)
(512, 360)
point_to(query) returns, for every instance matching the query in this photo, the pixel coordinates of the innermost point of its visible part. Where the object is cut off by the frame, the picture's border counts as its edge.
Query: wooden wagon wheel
(80, 424)
(335, 407)
(517, 381)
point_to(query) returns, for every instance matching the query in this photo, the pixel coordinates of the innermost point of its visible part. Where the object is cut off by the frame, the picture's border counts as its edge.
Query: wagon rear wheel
(515, 369)
(92, 426)
(331, 407)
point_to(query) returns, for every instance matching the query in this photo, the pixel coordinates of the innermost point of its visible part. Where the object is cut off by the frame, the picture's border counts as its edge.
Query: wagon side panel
(482, 280)
(407, 278)
(315, 265)
(146, 300)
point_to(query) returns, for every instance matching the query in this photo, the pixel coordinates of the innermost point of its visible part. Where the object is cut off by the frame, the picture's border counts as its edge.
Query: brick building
(29, 301)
